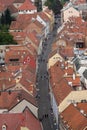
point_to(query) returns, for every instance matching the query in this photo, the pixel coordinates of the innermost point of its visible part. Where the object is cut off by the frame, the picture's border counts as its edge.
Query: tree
(6, 39)
(38, 4)
(64, 1)
(55, 5)
(6, 18)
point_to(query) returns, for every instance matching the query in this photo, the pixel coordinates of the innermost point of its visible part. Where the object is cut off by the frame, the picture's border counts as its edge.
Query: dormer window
(4, 127)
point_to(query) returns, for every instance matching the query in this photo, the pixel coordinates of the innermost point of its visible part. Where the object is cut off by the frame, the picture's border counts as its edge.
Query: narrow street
(45, 112)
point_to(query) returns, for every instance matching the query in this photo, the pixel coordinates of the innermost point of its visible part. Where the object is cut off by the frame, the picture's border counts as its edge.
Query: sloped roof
(82, 106)
(44, 16)
(73, 118)
(59, 84)
(18, 1)
(38, 24)
(6, 80)
(27, 5)
(2, 7)
(9, 99)
(6, 2)
(67, 52)
(61, 91)
(20, 120)
(20, 23)
(12, 9)
(34, 38)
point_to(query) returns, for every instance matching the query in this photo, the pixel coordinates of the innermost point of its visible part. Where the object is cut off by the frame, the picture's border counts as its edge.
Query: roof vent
(82, 111)
(4, 127)
(9, 79)
(70, 83)
(66, 67)
(65, 122)
(75, 104)
(62, 66)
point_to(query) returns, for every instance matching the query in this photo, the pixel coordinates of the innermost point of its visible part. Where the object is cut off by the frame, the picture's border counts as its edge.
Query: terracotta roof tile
(20, 120)
(19, 37)
(6, 80)
(27, 5)
(9, 99)
(75, 82)
(6, 2)
(12, 9)
(32, 50)
(2, 7)
(82, 106)
(38, 24)
(67, 52)
(44, 16)
(74, 118)
(74, 30)
(61, 90)
(33, 37)
(59, 83)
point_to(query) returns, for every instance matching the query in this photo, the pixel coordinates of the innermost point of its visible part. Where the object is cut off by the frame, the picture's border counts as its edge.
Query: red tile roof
(77, 2)
(10, 99)
(13, 53)
(75, 82)
(27, 17)
(2, 7)
(31, 49)
(68, 70)
(27, 5)
(74, 30)
(29, 60)
(6, 2)
(18, 120)
(38, 24)
(6, 80)
(12, 9)
(44, 16)
(75, 120)
(59, 84)
(19, 37)
(61, 90)
(33, 37)
(82, 106)
(66, 51)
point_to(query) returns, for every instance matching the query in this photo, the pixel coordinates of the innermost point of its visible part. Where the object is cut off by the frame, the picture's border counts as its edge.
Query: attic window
(13, 59)
(4, 127)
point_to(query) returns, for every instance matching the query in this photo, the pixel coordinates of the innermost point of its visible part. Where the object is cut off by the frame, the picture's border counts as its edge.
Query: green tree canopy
(6, 17)
(6, 39)
(55, 5)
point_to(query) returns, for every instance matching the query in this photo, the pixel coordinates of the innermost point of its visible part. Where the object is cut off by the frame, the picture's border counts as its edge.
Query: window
(14, 60)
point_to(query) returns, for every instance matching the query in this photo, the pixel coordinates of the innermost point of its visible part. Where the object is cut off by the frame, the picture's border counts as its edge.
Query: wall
(70, 12)
(74, 96)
